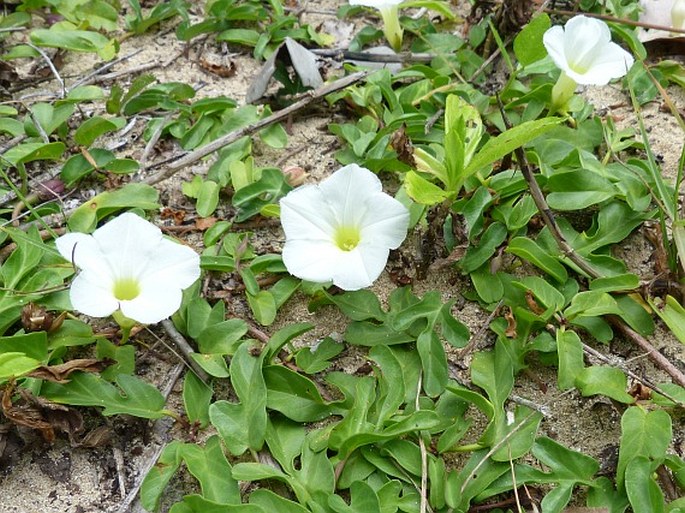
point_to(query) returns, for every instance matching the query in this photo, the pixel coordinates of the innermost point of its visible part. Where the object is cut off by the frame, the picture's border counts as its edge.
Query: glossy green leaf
(608, 381)
(196, 399)
(643, 491)
(434, 363)
(528, 46)
(643, 434)
(529, 250)
(505, 143)
(570, 355)
(133, 396)
(294, 395)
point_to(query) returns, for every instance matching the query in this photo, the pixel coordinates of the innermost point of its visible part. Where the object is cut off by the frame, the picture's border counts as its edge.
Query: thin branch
(161, 426)
(185, 349)
(614, 362)
(613, 19)
(47, 59)
(307, 99)
(373, 57)
(92, 77)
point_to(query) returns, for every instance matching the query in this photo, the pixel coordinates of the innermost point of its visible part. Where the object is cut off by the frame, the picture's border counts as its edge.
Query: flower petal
(305, 214)
(155, 303)
(128, 242)
(360, 267)
(90, 295)
(584, 41)
(311, 260)
(613, 62)
(85, 254)
(386, 223)
(322, 262)
(349, 193)
(553, 39)
(171, 264)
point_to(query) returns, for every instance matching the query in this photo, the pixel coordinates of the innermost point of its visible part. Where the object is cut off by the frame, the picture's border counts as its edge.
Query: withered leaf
(533, 304)
(511, 324)
(403, 146)
(205, 223)
(218, 69)
(60, 373)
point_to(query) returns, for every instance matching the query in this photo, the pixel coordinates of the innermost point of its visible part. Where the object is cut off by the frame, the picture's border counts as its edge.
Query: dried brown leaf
(60, 373)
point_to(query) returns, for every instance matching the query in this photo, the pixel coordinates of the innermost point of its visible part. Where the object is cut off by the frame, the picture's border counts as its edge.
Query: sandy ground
(60, 479)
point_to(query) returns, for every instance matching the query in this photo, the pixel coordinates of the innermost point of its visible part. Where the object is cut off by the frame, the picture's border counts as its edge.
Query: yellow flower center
(126, 289)
(347, 237)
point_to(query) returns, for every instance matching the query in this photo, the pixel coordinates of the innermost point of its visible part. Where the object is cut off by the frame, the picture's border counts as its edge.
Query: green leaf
(196, 399)
(212, 364)
(294, 395)
(497, 147)
(249, 200)
(628, 281)
(477, 255)
(207, 198)
(643, 491)
(282, 337)
(643, 434)
(592, 303)
(528, 46)
(570, 354)
(529, 250)
(363, 500)
(493, 372)
(577, 190)
(32, 345)
(159, 476)
(359, 305)
(433, 361)
(317, 358)
(94, 127)
(269, 501)
(30, 152)
(14, 365)
(673, 314)
(133, 397)
(132, 195)
(75, 40)
(211, 468)
(222, 337)
(422, 191)
(607, 381)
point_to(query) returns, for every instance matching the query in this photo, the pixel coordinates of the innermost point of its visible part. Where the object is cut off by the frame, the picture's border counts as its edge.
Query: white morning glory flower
(391, 19)
(342, 229)
(583, 50)
(127, 265)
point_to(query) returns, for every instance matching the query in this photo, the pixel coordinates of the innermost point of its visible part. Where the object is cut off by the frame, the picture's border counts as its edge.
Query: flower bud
(50, 189)
(295, 175)
(36, 318)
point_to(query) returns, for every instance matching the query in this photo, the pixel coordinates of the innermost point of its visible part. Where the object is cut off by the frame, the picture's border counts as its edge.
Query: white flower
(342, 229)
(391, 19)
(128, 265)
(583, 50)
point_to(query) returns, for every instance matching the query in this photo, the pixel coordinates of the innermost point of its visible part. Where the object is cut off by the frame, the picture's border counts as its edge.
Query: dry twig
(305, 100)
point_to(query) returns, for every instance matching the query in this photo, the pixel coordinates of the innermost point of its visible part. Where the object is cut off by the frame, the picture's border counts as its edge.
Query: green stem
(391, 26)
(125, 324)
(562, 92)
